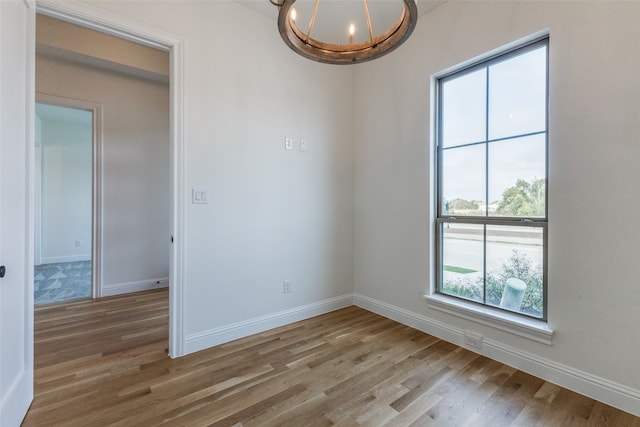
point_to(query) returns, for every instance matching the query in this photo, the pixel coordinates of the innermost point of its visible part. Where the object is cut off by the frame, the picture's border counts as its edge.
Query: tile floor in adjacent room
(62, 282)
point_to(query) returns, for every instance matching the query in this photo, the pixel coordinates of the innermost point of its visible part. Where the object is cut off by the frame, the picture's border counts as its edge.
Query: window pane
(464, 109)
(517, 177)
(463, 260)
(517, 95)
(463, 180)
(514, 269)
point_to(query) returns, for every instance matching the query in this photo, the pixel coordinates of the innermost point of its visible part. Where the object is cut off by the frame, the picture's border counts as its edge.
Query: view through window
(492, 181)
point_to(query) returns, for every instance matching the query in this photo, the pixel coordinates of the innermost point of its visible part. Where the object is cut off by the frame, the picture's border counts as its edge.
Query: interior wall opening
(128, 85)
(64, 200)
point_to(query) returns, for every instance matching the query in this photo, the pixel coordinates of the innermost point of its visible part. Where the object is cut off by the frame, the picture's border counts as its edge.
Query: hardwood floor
(105, 362)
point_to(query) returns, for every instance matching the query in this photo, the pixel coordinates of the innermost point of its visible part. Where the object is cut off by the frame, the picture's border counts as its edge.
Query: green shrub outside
(518, 265)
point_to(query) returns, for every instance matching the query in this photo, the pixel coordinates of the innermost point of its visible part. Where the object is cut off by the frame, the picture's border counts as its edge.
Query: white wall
(66, 190)
(135, 167)
(273, 214)
(593, 274)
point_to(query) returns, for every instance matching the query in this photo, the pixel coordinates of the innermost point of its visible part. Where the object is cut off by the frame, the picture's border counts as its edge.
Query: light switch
(288, 143)
(199, 196)
(303, 145)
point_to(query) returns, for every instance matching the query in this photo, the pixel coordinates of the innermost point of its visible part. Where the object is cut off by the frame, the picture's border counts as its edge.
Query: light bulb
(352, 29)
(294, 14)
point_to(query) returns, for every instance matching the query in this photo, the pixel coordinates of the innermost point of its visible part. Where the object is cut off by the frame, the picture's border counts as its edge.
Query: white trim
(99, 19)
(601, 389)
(534, 330)
(177, 261)
(27, 382)
(13, 408)
(94, 18)
(135, 286)
(66, 258)
(593, 386)
(206, 339)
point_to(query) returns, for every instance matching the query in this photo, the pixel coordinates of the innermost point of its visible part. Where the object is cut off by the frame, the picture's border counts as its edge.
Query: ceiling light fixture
(352, 52)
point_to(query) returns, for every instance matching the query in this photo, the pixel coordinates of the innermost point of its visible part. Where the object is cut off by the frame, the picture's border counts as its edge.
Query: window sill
(534, 330)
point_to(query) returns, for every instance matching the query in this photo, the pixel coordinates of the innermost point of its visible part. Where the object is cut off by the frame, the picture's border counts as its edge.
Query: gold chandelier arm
(366, 9)
(313, 18)
(276, 3)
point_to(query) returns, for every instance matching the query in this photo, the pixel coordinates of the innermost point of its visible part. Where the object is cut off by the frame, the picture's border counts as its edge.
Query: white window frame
(528, 327)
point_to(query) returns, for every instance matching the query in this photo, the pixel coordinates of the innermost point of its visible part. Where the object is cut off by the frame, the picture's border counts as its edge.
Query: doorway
(65, 229)
(95, 19)
(134, 157)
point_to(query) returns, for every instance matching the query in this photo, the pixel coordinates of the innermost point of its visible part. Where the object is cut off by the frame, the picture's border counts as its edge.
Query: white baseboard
(137, 286)
(14, 404)
(67, 258)
(223, 334)
(601, 389)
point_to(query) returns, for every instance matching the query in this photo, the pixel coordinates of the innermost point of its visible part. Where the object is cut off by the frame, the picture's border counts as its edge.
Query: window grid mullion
(506, 138)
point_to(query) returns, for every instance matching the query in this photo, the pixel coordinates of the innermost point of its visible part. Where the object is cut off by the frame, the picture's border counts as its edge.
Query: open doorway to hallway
(128, 84)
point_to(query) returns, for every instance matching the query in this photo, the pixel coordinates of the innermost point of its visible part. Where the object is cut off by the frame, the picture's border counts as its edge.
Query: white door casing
(95, 18)
(17, 44)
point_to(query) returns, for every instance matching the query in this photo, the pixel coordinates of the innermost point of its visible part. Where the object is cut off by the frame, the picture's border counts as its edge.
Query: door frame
(18, 63)
(104, 21)
(96, 182)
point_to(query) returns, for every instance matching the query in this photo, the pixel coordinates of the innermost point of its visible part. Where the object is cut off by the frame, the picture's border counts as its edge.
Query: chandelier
(346, 47)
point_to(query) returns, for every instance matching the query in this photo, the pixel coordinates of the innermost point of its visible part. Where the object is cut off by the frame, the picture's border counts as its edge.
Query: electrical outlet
(286, 287)
(288, 143)
(78, 244)
(473, 340)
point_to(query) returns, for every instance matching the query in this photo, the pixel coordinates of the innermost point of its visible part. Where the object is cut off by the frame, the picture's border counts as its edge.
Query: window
(491, 223)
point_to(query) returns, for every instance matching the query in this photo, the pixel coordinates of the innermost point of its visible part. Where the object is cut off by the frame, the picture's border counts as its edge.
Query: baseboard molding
(137, 286)
(601, 389)
(223, 334)
(68, 258)
(14, 404)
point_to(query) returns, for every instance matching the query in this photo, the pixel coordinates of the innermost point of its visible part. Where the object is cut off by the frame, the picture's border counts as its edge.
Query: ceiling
(334, 16)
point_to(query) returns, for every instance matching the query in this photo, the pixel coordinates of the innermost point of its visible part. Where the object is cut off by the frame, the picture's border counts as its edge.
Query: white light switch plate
(304, 146)
(199, 196)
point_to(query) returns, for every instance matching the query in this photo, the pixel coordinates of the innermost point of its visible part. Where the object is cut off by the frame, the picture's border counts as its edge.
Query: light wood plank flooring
(105, 362)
